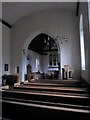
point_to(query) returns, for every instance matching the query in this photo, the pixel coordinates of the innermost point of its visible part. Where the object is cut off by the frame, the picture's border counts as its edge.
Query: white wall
(84, 11)
(6, 35)
(89, 47)
(0, 53)
(32, 56)
(0, 45)
(44, 61)
(53, 22)
(0, 58)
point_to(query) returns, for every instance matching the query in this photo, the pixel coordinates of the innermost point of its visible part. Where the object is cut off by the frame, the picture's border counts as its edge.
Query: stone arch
(27, 42)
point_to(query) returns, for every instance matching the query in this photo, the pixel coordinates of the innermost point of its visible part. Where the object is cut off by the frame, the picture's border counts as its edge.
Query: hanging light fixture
(46, 40)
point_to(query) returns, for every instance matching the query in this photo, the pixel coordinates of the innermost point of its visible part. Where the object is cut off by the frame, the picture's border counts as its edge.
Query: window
(53, 59)
(82, 43)
(37, 63)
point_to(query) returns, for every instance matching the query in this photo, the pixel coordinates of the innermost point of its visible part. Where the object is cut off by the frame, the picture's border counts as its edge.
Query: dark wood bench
(9, 79)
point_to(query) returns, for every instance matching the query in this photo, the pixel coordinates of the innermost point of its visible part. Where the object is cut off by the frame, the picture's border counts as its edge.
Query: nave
(42, 99)
(52, 39)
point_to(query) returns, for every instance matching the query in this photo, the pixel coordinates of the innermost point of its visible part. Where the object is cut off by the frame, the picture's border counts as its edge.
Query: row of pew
(60, 99)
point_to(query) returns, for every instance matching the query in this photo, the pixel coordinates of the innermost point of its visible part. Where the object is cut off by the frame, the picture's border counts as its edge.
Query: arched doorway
(26, 56)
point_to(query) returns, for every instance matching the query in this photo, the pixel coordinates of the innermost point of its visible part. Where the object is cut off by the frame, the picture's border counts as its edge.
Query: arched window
(82, 43)
(37, 63)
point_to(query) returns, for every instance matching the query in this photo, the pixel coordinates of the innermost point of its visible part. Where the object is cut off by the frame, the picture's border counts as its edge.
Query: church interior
(44, 60)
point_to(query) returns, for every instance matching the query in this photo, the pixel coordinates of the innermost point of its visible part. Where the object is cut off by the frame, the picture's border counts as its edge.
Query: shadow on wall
(77, 74)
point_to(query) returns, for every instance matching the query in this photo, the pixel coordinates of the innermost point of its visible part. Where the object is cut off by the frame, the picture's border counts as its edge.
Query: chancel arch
(52, 46)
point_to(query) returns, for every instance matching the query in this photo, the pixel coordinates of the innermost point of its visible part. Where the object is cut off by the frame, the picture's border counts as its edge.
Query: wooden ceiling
(42, 44)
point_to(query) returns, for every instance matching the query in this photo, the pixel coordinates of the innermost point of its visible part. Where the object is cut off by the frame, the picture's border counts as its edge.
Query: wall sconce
(61, 38)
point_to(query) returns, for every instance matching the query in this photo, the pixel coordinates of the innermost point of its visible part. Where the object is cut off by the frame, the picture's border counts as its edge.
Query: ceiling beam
(5, 23)
(77, 9)
(49, 50)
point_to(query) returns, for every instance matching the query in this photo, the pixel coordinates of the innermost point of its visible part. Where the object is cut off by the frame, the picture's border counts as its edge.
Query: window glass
(37, 63)
(82, 43)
